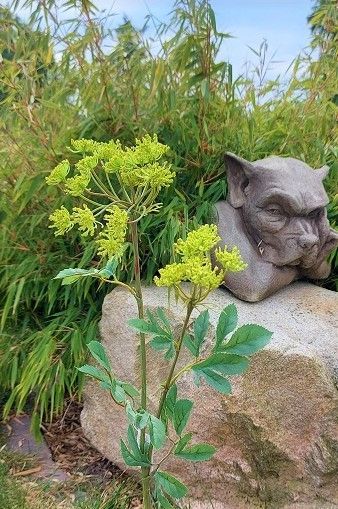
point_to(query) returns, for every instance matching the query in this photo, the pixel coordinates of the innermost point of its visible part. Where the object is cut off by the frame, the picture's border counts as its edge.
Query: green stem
(168, 382)
(103, 188)
(91, 201)
(181, 371)
(111, 186)
(145, 471)
(169, 453)
(118, 283)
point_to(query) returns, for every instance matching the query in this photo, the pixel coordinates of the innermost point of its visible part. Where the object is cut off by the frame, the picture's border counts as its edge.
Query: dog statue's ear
(238, 172)
(322, 172)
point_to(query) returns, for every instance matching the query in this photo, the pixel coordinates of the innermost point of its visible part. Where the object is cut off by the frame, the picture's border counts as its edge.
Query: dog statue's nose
(308, 241)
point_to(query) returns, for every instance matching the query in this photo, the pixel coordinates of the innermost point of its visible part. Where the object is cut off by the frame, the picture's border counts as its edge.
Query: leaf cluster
(228, 355)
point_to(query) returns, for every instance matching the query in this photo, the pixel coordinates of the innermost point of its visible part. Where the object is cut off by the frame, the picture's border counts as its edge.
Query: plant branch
(145, 471)
(168, 382)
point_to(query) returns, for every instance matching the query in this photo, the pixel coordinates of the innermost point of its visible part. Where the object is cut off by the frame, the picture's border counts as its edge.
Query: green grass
(76, 493)
(12, 495)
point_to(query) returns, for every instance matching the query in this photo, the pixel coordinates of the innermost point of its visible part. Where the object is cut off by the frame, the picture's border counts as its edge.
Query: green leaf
(106, 385)
(214, 368)
(159, 326)
(205, 88)
(72, 275)
(129, 389)
(157, 432)
(152, 326)
(94, 373)
(201, 325)
(212, 18)
(135, 450)
(165, 504)
(170, 485)
(141, 419)
(188, 342)
(182, 443)
(69, 280)
(160, 343)
(138, 419)
(164, 319)
(98, 352)
(110, 269)
(182, 410)
(227, 322)
(198, 452)
(117, 392)
(217, 381)
(170, 401)
(131, 414)
(130, 459)
(155, 318)
(141, 325)
(228, 364)
(248, 339)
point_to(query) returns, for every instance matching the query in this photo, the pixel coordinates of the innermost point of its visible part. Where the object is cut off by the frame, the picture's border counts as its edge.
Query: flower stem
(168, 382)
(145, 471)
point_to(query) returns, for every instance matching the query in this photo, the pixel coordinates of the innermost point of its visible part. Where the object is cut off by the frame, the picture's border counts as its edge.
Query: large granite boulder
(277, 434)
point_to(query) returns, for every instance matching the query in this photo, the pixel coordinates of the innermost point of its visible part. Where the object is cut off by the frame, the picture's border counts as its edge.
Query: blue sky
(281, 22)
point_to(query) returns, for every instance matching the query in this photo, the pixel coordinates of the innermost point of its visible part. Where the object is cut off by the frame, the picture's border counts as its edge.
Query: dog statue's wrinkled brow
(275, 213)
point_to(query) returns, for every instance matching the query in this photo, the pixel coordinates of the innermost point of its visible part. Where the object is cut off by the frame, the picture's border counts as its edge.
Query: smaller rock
(21, 440)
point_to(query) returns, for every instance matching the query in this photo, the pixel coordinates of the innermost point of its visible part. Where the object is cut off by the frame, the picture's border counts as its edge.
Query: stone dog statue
(275, 213)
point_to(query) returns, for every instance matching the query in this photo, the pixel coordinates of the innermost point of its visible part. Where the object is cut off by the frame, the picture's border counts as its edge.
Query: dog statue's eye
(274, 211)
(314, 213)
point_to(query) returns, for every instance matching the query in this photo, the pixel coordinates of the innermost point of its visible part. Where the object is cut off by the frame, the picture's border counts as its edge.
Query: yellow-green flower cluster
(196, 270)
(196, 266)
(154, 175)
(231, 261)
(148, 150)
(77, 185)
(171, 275)
(85, 220)
(84, 145)
(100, 149)
(58, 174)
(138, 166)
(117, 160)
(112, 237)
(86, 165)
(200, 272)
(62, 221)
(198, 242)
